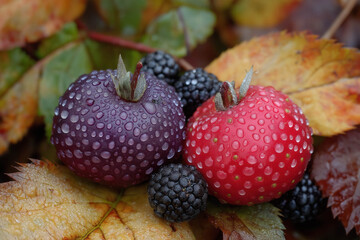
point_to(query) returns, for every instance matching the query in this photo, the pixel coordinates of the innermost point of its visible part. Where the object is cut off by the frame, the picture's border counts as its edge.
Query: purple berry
(116, 129)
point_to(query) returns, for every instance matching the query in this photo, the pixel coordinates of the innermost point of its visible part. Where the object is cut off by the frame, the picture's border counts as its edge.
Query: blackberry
(195, 87)
(162, 66)
(177, 192)
(303, 203)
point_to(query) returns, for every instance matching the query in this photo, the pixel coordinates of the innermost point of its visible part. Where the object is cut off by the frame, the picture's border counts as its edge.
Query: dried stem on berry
(226, 97)
(129, 89)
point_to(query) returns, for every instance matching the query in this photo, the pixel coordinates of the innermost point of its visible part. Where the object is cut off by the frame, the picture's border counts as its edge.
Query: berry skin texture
(253, 151)
(177, 192)
(303, 203)
(115, 142)
(195, 87)
(161, 65)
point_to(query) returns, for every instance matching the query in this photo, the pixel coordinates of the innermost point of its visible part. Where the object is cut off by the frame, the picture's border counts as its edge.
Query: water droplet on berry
(96, 145)
(65, 128)
(99, 115)
(149, 107)
(68, 141)
(248, 171)
(64, 114)
(171, 153)
(91, 121)
(279, 148)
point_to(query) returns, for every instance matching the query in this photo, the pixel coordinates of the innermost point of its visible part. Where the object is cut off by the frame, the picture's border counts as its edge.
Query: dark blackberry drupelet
(303, 203)
(195, 87)
(177, 192)
(162, 66)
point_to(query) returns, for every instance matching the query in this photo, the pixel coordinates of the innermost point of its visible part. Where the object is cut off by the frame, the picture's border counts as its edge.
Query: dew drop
(64, 114)
(248, 171)
(279, 148)
(91, 121)
(90, 102)
(268, 170)
(68, 141)
(215, 128)
(240, 133)
(74, 118)
(99, 115)
(165, 146)
(149, 107)
(209, 162)
(251, 160)
(96, 145)
(128, 126)
(221, 174)
(65, 128)
(78, 153)
(171, 153)
(235, 145)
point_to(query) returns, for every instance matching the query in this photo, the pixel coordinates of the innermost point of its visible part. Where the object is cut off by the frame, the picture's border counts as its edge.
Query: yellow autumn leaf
(321, 76)
(23, 21)
(47, 201)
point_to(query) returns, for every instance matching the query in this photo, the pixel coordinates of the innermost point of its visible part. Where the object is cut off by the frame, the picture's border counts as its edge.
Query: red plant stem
(135, 78)
(132, 45)
(119, 42)
(350, 4)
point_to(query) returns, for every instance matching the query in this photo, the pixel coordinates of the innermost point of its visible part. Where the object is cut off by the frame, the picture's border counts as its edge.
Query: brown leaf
(302, 66)
(336, 169)
(47, 201)
(25, 21)
(257, 222)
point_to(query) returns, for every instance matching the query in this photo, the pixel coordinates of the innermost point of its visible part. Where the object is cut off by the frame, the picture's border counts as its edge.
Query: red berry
(253, 151)
(118, 135)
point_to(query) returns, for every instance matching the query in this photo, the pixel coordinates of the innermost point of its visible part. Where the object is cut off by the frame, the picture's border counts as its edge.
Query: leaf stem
(100, 37)
(350, 4)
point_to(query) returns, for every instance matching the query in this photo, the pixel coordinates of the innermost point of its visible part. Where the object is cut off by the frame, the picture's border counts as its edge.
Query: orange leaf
(47, 201)
(304, 67)
(23, 21)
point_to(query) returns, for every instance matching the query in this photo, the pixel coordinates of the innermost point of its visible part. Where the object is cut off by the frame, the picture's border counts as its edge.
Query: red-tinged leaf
(23, 21)
(336, 169)
(259, 222)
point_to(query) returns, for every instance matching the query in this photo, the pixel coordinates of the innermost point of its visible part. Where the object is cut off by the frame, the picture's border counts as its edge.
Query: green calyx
(127, 87)
(227, 97)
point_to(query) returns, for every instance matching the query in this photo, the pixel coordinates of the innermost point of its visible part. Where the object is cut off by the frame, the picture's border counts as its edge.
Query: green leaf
(68, 33)
(180, 30)
(105, 56)
(192, 3)
(124, 16)
(259, 221)
(59, 72)
(13, 64)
